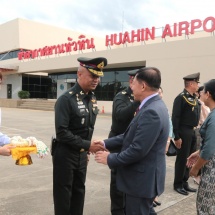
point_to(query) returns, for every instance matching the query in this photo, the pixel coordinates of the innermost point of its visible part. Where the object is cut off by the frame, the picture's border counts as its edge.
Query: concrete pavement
(27, 190)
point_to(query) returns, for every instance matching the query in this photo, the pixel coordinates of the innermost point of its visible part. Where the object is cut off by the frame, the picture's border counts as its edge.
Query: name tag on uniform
(82, 111)
(81, 106)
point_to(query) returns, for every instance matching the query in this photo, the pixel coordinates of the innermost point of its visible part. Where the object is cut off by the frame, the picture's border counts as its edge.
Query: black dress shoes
(189, 189)
(181, 191)
(157, 202)
(154, 204)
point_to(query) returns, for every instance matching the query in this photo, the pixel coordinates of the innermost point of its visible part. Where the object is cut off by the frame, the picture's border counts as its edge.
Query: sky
(103, 17)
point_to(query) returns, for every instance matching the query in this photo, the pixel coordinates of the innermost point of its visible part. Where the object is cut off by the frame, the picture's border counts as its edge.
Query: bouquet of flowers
(26, 146)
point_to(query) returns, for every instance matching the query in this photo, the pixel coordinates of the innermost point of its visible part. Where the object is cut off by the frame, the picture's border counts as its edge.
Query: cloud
(101, 17)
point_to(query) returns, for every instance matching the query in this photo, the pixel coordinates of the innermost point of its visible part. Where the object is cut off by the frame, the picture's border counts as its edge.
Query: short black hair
(151, 75)
(210, 87)
(199, 90)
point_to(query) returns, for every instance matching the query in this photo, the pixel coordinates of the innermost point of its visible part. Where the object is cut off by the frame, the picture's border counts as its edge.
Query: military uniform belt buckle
(82, 150)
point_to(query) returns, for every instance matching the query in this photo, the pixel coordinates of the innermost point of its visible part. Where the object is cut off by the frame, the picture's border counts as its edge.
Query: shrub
(23, 94)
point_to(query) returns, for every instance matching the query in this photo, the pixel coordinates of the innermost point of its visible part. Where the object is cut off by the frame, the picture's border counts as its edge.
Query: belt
(82, 150)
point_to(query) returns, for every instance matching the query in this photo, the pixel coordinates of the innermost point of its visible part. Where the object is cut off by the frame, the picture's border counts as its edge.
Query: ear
(79, 74)
(143, 86)
(208, 94)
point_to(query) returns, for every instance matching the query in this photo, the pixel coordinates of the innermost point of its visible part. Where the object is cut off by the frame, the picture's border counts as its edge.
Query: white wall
(3, 91)
(16, 81)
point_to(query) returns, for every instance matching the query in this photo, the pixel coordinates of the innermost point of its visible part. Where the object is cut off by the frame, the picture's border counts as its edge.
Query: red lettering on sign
(175, 30)
(115, 39)
(135, 35)
(167, 31)
(195, 24)
(205, 22)
(81, 44)
(109, 41)
(140, 35)
(150, 33)
(126, 38)
(183, 26)
(144, 34)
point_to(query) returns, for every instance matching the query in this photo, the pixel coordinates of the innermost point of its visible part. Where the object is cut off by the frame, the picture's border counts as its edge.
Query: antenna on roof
(122, 21)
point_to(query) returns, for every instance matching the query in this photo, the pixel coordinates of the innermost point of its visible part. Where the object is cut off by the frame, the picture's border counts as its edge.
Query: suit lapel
(155, 98)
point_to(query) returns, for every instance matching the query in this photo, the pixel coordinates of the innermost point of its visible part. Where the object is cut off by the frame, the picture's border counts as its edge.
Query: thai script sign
(81, 44)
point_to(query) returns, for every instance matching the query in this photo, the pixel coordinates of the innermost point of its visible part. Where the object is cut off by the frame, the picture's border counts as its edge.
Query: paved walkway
(27, 190)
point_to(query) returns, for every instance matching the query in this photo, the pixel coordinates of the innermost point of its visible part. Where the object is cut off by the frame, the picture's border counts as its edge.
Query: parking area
(27, 190)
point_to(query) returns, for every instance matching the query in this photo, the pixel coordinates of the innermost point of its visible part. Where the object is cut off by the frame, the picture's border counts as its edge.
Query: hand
(96, 145)
(178, 143)
(194, 171)
(191, 160)
(167, 146)
(101, 157)
(5, 150)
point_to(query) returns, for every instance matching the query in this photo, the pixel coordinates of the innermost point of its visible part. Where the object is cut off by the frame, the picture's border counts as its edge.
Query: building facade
(42, 59)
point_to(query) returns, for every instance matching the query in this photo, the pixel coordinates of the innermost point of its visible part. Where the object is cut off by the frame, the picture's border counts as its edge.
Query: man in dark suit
(141, 165)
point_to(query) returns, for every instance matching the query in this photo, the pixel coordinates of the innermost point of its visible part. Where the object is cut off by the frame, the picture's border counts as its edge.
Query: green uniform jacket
(124, 108)
(186, 112)
(75, 116)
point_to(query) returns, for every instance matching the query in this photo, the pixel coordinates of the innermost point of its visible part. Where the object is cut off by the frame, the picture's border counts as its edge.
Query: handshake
(97, 147)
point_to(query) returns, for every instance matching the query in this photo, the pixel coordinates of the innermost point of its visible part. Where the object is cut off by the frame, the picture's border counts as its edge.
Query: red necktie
(137, 111)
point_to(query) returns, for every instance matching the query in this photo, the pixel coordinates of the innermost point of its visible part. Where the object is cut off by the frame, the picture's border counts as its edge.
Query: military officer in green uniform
(124, 108)
(75, 116)
(185, 117)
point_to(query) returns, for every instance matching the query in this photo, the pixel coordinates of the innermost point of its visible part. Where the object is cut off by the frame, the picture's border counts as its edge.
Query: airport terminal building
(42, 59)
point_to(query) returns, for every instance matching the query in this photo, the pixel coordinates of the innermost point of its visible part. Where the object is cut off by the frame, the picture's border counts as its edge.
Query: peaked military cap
(94, 65)
(133, 72)
(192, 77)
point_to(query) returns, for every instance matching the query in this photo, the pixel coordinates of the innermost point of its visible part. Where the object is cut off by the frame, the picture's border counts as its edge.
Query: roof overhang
(36, 73)
(5, 68)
